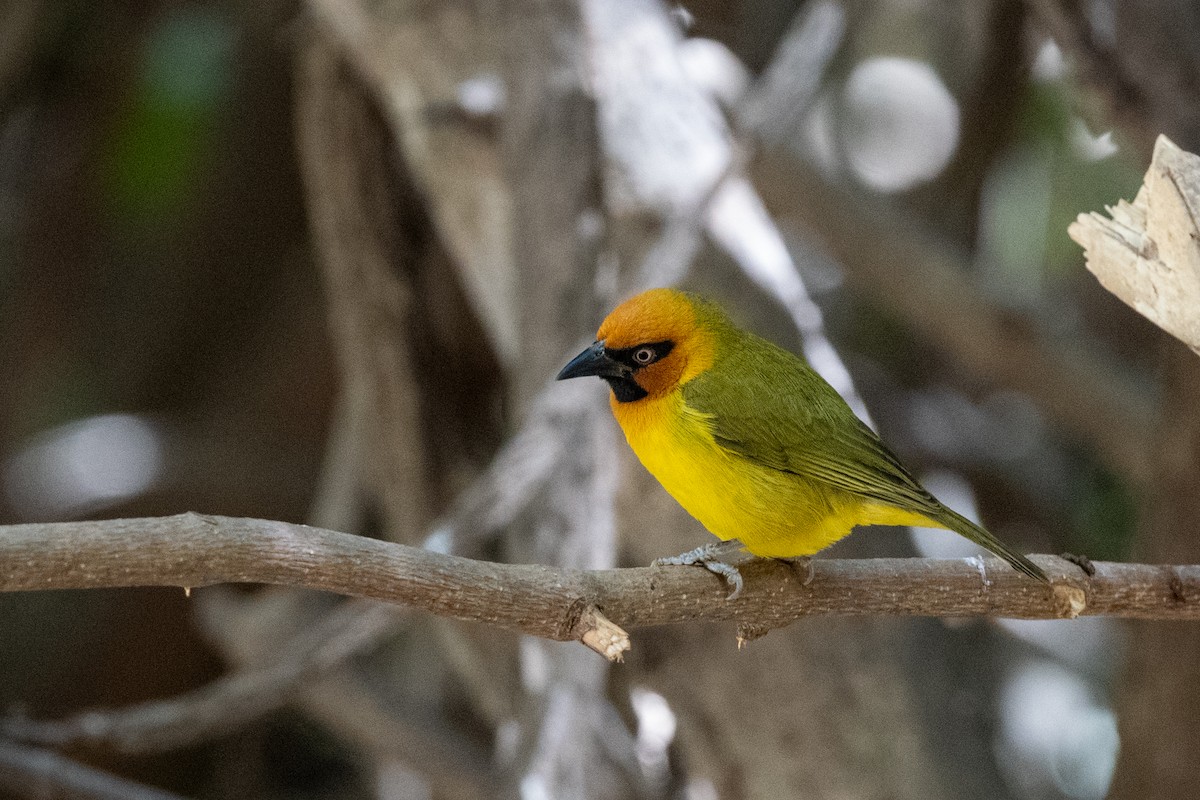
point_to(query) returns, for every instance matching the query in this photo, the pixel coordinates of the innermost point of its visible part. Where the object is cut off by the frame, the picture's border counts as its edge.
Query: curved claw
(805, 564)
(731, 575)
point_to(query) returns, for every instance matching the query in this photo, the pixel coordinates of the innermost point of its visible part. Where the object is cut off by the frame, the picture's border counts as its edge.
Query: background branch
(252, 630)
(875, 245)
(34, 772)
(228, 703)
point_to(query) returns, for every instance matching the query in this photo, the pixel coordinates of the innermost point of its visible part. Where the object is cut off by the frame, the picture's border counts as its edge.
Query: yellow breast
(775, 514)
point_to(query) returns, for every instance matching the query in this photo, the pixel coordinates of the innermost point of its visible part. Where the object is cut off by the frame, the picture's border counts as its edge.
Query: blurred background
(318, 261)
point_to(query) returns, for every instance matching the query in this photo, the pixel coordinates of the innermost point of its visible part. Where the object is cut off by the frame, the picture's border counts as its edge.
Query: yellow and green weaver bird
(749, 439)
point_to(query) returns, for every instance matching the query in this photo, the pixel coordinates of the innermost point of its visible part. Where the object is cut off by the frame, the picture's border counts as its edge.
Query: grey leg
(711, 556)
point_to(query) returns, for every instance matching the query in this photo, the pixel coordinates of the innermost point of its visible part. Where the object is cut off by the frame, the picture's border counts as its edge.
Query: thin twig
(195, 550)
(225, 704)
(347, 701)
(34, 772)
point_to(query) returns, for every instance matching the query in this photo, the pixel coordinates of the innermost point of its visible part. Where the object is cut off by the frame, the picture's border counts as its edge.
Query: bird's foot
(804, 563)
(712, 557)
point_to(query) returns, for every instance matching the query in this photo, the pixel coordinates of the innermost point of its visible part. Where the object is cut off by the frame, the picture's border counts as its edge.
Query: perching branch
(190, 550)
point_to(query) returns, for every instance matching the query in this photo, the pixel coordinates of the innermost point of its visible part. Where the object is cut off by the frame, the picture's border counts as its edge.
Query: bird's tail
(964, 527)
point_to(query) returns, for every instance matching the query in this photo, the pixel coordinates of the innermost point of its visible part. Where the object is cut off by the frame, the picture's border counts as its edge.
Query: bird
(750, 440)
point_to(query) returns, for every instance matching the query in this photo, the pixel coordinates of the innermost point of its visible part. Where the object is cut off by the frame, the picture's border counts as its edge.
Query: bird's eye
(644, 355)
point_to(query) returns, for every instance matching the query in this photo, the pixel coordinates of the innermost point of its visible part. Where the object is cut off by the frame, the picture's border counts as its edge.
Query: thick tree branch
(193, 550)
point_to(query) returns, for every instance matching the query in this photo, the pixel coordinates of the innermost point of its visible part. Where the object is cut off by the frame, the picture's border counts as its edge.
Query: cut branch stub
(1148, 254)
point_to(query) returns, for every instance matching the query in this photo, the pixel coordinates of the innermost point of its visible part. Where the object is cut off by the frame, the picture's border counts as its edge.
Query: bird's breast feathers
(774, 513)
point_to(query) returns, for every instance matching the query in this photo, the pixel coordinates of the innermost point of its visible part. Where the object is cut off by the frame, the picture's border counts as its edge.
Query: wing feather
(779, 413)
(795, 422)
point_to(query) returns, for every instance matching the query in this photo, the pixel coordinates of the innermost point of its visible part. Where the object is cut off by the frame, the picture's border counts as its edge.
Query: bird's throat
(626, 389)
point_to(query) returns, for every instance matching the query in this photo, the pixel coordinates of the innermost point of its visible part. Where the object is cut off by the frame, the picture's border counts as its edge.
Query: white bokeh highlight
(1056, 737)
(83, 466)
(899, 124)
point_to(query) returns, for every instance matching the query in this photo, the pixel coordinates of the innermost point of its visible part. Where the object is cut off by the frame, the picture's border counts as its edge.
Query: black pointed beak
(593, 361)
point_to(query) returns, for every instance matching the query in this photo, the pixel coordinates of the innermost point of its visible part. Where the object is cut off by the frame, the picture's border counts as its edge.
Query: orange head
(650, 345)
